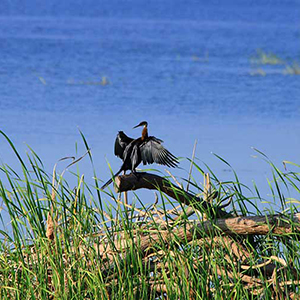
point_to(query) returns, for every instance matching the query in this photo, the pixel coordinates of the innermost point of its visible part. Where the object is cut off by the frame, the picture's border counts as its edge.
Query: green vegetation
(66, 242)
(268, 59)
(292, 69)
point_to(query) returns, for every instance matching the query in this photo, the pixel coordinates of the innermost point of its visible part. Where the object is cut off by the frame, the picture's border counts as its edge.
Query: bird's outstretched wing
(122, 141)
(153, 151)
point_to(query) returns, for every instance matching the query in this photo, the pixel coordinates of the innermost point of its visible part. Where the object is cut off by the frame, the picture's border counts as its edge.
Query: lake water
(192, 69)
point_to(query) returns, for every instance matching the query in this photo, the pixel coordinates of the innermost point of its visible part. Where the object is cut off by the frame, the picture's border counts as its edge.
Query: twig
(191, 166)
(174, 178)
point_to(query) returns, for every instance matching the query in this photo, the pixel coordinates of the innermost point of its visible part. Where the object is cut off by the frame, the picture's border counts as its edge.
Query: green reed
(98, 249)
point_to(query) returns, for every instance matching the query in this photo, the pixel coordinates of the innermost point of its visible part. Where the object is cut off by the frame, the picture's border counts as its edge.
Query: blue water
(184, 66)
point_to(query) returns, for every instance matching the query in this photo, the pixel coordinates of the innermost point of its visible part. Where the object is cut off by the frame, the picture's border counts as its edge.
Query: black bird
(146, 149)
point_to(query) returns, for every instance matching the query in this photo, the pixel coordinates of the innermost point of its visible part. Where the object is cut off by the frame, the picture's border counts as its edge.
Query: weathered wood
(249, 225)
(149, 181)
(186, 231)
(254, 225)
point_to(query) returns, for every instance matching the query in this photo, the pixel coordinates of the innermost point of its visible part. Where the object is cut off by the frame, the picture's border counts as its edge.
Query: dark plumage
(122, 141)
(146, 149)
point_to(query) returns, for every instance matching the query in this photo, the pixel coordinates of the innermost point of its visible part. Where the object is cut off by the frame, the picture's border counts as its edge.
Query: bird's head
(144, 123)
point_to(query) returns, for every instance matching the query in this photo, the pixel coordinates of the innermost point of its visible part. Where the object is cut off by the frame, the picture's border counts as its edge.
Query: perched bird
(146, 149)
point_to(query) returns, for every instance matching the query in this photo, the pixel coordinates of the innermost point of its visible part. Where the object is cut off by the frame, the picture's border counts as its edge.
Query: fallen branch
(190, 231)
(248, 225)
(149, 181)
(254, 225)
(241, 225)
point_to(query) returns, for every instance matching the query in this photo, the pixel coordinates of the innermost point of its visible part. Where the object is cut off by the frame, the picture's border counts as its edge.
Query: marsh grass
(266, 60)
(292, 69)
(102, 249)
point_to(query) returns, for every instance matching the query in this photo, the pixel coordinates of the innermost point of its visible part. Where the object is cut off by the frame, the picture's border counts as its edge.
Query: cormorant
(146, 149)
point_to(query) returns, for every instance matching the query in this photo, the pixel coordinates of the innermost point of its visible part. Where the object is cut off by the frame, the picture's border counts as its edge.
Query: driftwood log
(149, 181)
(205, 231)
(156, 235)
(249, 225)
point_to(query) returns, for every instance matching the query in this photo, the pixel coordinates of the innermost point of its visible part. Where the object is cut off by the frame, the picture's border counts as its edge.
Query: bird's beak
(137, 126)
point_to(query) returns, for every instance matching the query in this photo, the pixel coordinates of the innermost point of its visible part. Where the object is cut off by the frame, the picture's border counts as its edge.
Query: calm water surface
(191, 70)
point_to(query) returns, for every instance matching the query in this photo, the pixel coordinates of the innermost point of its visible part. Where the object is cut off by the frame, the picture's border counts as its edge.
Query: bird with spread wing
(146, 149)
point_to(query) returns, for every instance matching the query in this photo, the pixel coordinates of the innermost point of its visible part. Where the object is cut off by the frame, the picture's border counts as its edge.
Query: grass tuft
(292, 69)
(266, 58)
(101, 248)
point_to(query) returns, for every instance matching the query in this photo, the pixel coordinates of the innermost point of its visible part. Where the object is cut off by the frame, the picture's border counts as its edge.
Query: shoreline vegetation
(262, 59)
(262, 63)
(201, 241)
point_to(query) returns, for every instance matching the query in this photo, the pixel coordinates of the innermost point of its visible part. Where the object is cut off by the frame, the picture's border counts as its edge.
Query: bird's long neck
(144, 133)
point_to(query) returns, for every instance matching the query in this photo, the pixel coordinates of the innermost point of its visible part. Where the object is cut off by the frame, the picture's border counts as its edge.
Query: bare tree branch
(149, 181)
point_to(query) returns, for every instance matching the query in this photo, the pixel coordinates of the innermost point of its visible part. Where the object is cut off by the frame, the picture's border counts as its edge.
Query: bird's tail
(110, 180)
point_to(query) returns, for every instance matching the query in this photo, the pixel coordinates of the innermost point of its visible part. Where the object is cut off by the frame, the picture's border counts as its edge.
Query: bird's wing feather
(153, 151)
(135, 157)
(122, 141)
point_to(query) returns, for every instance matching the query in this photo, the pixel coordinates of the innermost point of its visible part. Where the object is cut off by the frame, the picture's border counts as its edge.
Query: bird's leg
(125, 194)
